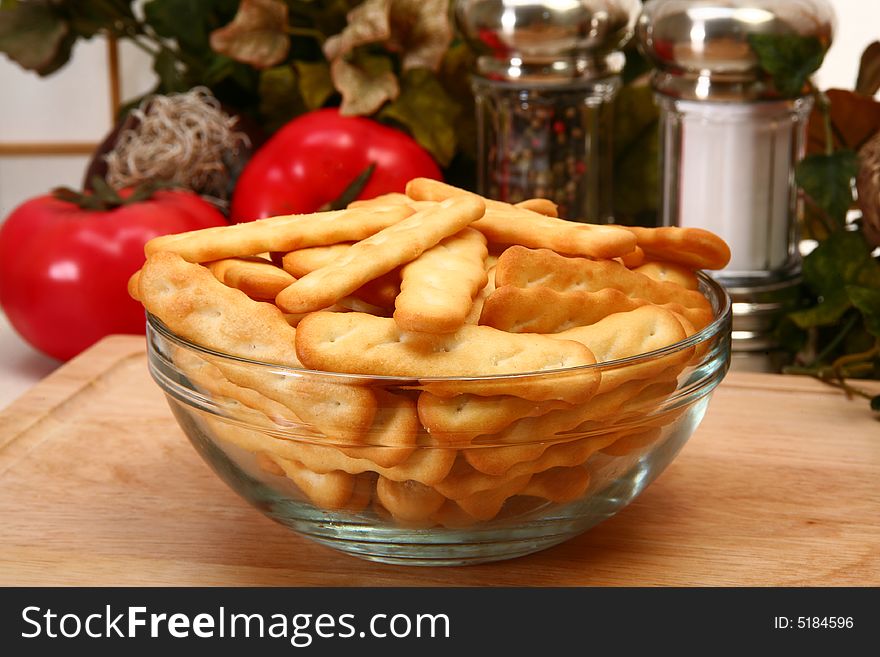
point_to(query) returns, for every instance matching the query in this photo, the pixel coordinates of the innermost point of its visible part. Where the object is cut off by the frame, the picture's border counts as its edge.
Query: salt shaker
(730, 143)
(546, 76)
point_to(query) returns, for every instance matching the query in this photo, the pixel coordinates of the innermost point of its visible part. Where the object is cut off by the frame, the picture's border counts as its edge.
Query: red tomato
(63, 270)
(315, 157)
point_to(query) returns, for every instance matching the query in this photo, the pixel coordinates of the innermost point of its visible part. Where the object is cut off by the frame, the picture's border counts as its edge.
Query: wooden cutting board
(98, 486)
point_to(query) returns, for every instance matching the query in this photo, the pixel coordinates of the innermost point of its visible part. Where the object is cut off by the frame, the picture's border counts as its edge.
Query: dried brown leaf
(257, 35)
(365, 84)
(869, 70)
(420, 31)
(367, 23)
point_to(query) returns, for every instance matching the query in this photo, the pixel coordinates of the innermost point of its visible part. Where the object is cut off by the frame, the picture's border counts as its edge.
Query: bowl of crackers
(436, 378)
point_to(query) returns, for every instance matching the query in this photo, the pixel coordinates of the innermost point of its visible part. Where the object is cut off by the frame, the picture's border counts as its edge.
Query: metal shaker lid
(547, 40)
(701, 47)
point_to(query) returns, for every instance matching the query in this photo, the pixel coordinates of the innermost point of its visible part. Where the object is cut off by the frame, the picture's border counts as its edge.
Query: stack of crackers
(485, 313)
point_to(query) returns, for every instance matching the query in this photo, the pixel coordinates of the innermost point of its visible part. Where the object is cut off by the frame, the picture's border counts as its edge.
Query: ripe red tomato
(316, 156)
(63, 270)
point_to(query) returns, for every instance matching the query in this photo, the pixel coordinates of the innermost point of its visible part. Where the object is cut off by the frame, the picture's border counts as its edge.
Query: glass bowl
(442, 471)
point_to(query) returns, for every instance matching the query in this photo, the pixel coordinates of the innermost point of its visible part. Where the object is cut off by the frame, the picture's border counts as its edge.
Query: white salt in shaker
(730, 143)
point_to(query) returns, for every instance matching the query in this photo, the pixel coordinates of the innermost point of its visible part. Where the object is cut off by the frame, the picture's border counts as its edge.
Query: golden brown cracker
(540, 205)
(521, 267)
(408, 501)
(559, 485)
(507, 224)
(695, 248)
(362, 344)
(197, 307)
(273, 234)
(460, 419)
(256, 277)
(669, 272)
(437, 289)
(379, 254)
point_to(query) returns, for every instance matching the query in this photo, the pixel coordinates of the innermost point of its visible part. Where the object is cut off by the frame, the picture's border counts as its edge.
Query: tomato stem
(103, 197)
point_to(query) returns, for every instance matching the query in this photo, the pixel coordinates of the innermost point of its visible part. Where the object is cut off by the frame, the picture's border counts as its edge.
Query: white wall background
(74, 103)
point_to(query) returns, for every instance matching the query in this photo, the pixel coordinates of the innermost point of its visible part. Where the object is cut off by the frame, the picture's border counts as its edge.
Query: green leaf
(168, 69)
(279, 97)
(867, 300)
(36, 36)
(183, 20)
(868, 82)
(89, 18)
(827, 179)
(842, 260)
(636, 152)
(315, 83)
(789, 59)
(428, 112)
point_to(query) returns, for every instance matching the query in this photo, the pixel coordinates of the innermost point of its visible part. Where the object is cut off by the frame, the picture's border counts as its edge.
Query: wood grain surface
(98, 486)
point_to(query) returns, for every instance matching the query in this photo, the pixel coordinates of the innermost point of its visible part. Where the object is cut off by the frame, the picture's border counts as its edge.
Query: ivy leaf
(256, 36)
(842, 260)
(35, 35)
(315, 83)
(428, 112)
(636, 152)
(89, 18)
(789, 59)
(868, 82)
(170, 75)
(867, 300)
(827, 180)
(279, 97)
(183, 20)
(366, 82)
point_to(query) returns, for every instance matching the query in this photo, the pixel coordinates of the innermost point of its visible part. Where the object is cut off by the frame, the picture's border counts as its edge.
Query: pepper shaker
(730, 142)
(546, 75)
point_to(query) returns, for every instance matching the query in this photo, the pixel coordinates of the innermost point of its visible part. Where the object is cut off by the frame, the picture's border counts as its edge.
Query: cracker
(363, 344)
(197, 307)
(628, 334)
(531, 439)
(633, 442)
(256, 277)
(437, 289)
(392, 438)
(692, 247)
(284, 233)
(541, 309)
(559, 485)
(521, 267)
(473, 316)
(133, 282)
(634, 258)
(486, 504)
(379, 254)
(458, 420)
(379, 293)
(669, 272)
(540, 205)
(207, 376)
(331, 491)
(391, 198)
(408, 501)
(507, 224)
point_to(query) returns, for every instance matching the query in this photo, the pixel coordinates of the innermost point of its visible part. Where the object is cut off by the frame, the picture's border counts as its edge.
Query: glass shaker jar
(545, 79)
(730, 142)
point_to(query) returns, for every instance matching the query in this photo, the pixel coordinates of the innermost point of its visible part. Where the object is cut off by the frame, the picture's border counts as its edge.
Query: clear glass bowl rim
(717, 296)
